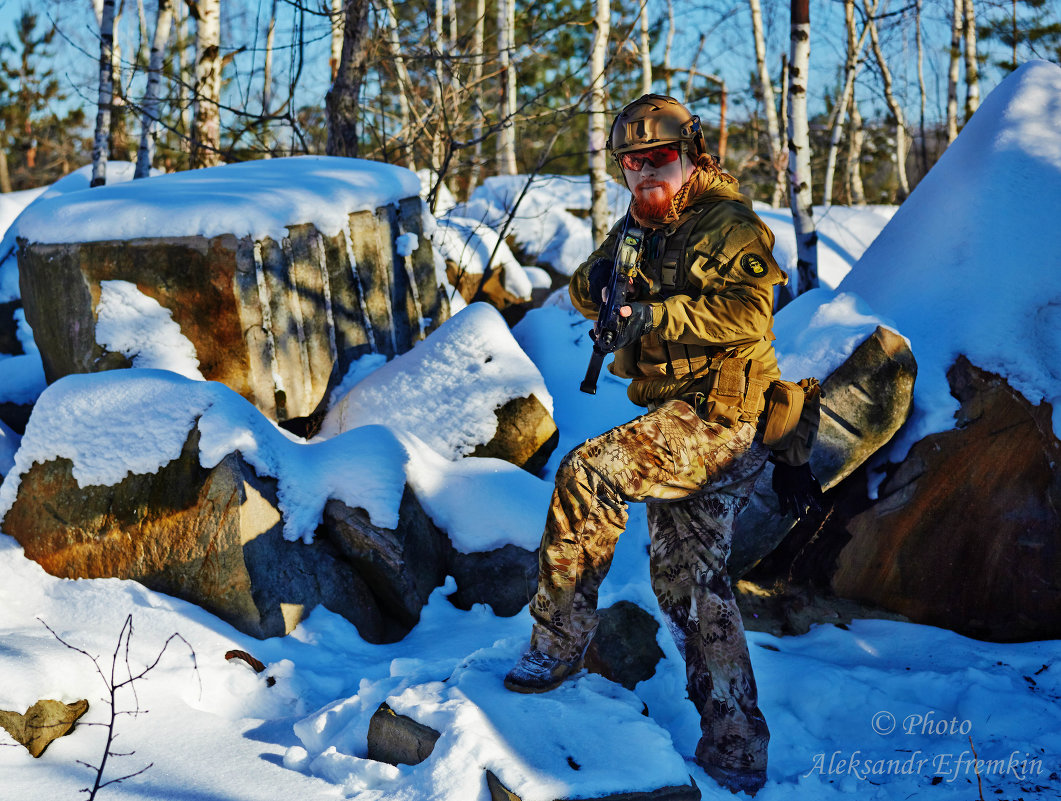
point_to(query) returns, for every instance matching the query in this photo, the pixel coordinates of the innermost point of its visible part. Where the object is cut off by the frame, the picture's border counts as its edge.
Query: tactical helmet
(654, 120)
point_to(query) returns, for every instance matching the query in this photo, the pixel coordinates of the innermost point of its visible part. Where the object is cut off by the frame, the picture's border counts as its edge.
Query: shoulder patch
(753, 265)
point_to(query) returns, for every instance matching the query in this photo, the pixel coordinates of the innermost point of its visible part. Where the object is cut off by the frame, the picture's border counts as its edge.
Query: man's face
(654, 177)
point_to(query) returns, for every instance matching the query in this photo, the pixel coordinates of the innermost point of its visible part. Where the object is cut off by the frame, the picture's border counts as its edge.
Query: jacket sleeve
(736, 275)
(579, 286)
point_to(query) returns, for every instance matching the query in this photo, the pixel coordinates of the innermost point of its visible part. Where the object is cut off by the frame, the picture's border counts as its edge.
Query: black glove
(599, 274)
(798, 491)
(632, 328)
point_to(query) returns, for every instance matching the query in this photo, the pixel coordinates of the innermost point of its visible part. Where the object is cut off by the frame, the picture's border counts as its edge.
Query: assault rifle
(609, 323)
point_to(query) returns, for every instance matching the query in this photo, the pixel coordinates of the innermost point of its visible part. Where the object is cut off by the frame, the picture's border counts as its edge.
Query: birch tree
(972, 78)
(856, 193)
(957, 22)
(598, 123)
(146, 154)
(100, 150)
(267, 69)
(766, 92)
(799, 149)
(336, 37)
(893, 104)
(854, 53)
(206, 108)
(478, 44)
(506, 138)
(341, 102)
(645, 51)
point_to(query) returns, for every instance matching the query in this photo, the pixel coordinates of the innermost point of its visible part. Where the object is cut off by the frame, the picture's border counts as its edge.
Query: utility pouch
(734, 392)
(791, 420)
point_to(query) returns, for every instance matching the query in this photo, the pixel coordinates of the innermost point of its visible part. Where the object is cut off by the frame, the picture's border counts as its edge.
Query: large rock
(526, 434)
(398, 739)
(966, 532)
(402, 565)
(624, 647)
(212, 537)
(864, 402)
(505, 578)
(280, 322)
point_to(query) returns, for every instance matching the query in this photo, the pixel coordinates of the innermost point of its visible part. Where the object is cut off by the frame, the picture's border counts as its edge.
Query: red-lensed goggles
(656, 157)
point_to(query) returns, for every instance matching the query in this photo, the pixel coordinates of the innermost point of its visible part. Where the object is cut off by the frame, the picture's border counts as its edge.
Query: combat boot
(736, 780)
(537, 672)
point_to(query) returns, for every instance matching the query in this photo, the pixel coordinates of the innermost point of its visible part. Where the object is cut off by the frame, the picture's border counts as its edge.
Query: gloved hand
(632, 328)
(599, 273)
(798, 491)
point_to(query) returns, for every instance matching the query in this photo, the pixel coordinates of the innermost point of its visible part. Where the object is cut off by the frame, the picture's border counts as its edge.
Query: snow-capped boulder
(468, 390)
(270, 276)
(467, 247)
(966, 532)
(865, 401)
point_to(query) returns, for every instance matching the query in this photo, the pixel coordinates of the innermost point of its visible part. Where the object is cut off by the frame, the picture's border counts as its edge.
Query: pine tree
(1032, 29)
(39, 142)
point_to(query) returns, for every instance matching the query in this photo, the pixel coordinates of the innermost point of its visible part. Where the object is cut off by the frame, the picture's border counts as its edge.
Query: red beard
(655, 210)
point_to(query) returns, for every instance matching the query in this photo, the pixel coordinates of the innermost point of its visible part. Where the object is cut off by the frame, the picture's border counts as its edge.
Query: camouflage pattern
(696, 477)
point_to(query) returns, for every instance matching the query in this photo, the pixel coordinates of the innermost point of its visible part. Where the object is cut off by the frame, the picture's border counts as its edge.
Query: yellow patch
(753, 265)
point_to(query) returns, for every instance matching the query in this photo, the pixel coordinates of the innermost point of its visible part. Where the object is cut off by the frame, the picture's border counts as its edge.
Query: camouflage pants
(696, 478)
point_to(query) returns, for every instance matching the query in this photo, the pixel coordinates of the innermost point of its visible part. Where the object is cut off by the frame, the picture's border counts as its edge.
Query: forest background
(473, 88)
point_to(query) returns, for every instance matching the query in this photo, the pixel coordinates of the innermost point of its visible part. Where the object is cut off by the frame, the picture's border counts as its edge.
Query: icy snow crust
(971, 262)
(256, 198)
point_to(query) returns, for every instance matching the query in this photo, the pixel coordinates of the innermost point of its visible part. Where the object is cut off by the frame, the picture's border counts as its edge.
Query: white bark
(766, 90)
(206, 119)
(799, 149)
(670, 41)
(854, 52)
(957, 21)
(646, 51)
(855, 192)
(106, 94)
(893, 104)
(478, 43)
(267, 71)
(972, 79)
(436, 87)
(146, 155)
(183, 80)
(506, 137)
(922, 91)
(598, 123)
(337, 37)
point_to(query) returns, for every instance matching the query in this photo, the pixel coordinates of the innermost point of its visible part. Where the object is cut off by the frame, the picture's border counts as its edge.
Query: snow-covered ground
(875, 710)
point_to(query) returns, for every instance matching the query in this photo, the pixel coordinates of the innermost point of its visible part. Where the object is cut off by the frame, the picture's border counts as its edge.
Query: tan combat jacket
(709, 278)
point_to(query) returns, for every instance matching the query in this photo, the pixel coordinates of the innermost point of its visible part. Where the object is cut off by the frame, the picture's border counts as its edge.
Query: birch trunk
(957, 21)
(893, 105)
(854, 52)
(598, 123)
(799, 149)
(106, 95)
(267, 71)
(395, 48)
(117, 143)
(766, 91)
(206, 110)
(667, 72)
(146, 155)
(506, 137)
(646, 51)
(922, 91)
(436, 88)
(478, 44)
(336, 38)
(856, 193)
(972, 79)
(183, 80)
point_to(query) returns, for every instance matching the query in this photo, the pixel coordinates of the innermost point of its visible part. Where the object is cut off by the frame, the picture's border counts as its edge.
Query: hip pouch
(733, 393)
(791, 419)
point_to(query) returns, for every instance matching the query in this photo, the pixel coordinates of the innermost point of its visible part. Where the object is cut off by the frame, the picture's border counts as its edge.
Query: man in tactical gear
(697, 346)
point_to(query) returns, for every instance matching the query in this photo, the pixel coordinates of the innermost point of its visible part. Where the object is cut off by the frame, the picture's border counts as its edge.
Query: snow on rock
(123, 422)
(130, 322)
(258, 199)
(971, 263)
(16, 203)
(446, 389)
(469, 244)
(819, 330)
